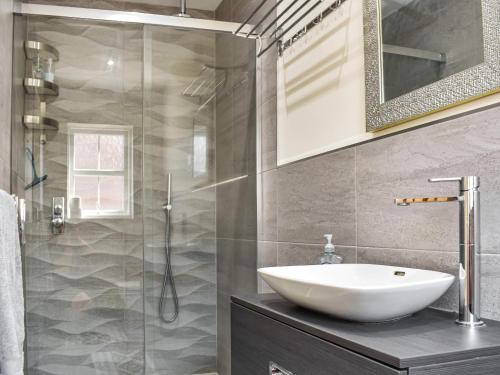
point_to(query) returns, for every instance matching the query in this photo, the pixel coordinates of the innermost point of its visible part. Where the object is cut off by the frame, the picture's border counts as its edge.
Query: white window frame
(127, 172)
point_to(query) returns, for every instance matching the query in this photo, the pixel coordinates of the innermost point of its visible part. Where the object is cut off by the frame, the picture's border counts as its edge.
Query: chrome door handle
(275, 369)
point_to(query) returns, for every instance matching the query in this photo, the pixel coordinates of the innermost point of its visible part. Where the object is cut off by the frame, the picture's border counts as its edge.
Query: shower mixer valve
(57, 215)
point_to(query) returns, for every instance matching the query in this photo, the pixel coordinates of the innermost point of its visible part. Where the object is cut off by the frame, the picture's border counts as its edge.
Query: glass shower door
(199, 144)
(126, 113)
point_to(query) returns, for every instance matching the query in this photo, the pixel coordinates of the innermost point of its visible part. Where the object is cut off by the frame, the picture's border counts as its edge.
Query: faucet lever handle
(446, 179)
(466, 182)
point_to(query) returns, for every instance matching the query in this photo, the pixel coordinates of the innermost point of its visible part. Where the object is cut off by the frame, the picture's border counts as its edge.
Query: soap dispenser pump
(329, 256)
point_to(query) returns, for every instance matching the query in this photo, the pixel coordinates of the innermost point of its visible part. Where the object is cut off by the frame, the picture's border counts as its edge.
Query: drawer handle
(275, 369)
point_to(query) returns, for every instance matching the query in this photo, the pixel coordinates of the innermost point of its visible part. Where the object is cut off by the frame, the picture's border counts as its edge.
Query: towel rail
(295, 12)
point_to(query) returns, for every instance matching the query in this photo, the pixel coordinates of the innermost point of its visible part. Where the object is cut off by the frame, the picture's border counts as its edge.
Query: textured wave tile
(81, 285)
(93, 293)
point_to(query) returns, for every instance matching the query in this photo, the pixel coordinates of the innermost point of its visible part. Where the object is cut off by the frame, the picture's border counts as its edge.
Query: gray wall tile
(400, 165)
(237, 209)
(267, 257)
(236, 273)
(269, 206)
(268, 254)
(269, 134)
(297, 254)
(316, 197)
(269, 75)
(490, 286)
(236, 156)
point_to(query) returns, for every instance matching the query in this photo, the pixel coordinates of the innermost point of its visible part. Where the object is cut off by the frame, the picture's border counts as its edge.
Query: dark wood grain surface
(427, 338)
(257, 341)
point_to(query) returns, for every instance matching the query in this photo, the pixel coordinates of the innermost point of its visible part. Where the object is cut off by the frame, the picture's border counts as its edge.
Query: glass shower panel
(84, 307)
(179, 140)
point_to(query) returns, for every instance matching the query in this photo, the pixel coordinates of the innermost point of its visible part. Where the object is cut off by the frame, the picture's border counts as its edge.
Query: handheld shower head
(168, 205)
(168, 277)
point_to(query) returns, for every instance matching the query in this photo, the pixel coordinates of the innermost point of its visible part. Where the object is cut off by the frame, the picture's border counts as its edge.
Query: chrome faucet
(469, 272)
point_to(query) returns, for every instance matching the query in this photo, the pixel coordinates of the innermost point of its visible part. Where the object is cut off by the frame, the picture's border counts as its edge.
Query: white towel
(11, 290)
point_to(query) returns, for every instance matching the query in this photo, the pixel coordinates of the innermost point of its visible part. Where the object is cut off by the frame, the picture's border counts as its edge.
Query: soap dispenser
(329, 256)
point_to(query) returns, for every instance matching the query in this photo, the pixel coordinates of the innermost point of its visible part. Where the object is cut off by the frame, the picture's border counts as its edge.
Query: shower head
(183, 10)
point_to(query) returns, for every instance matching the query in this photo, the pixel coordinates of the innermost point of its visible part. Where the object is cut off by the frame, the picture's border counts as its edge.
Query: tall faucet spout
(469, 245)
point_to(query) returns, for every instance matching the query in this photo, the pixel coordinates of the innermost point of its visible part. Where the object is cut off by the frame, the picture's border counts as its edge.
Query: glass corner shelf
(34, 50)
(35, 86)
(35, 122)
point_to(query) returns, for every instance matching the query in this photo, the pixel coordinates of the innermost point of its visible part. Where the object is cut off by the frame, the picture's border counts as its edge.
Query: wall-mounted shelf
(34, 49)
(34, 122)
(34, 86)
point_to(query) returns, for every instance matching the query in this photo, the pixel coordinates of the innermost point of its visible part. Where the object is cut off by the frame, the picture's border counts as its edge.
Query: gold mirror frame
(467, 85)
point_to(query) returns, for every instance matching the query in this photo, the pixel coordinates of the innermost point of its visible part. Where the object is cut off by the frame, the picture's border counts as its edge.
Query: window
(100, 170)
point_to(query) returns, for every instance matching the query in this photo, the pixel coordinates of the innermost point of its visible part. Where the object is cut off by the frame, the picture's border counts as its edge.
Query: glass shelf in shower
(34, 122)
(35, 86)
(34, 50)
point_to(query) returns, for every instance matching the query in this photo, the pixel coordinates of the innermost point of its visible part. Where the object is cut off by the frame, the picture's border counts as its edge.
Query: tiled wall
(350, 193)
(265, 102)
(84, 306)
(96, 287)
(236, 174)
(6, 37)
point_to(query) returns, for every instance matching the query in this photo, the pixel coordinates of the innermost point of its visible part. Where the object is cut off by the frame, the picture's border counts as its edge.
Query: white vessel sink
(359, 292)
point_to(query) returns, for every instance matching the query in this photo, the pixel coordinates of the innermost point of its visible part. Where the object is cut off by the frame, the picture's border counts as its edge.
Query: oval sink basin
(359, 292)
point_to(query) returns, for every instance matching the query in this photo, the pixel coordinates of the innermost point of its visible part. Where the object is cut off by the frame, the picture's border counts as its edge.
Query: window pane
(112, 193)
(112, 152)
(86, 188)
(86, 150)
(200, 154)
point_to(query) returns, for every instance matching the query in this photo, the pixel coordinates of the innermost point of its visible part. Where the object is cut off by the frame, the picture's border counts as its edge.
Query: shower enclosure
(108, 111)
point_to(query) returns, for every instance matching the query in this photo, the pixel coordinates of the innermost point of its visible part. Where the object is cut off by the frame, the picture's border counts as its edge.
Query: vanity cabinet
(271, 336)
(259, 342)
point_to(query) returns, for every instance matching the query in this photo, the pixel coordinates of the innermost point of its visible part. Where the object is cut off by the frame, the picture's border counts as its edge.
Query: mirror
(422, 56)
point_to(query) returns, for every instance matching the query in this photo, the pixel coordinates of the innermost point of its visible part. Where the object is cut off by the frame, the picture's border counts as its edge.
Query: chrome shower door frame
(128, 17)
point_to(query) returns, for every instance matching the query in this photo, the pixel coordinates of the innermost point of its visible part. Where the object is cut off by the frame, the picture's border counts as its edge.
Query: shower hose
(168, 277)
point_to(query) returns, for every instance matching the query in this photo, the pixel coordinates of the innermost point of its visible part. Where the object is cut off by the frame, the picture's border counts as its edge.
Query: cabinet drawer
(258, 341)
